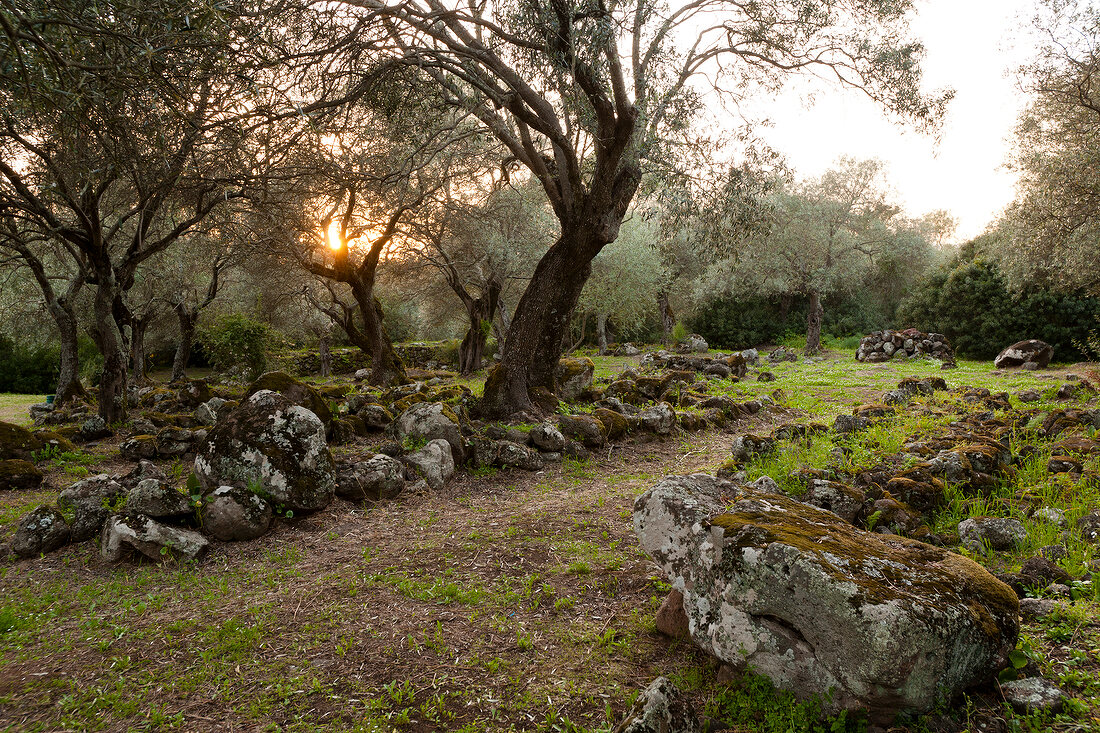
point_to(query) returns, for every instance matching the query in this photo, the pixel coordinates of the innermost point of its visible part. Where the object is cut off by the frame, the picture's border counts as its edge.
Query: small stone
(155, 499)
(1036, 608)
(1000, 533)
(1051, 514)
(434, 462)
(765, 377)
(1029, 395)
(671, 619)
(546, 437)
(379, 477)
(660, 709)
(1033, 694)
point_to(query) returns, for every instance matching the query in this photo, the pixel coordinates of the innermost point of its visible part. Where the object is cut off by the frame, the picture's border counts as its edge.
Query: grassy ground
(13, 407)
(507, 601)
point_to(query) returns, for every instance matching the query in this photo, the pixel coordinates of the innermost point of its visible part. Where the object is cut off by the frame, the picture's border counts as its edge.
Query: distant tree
(1055, 220)
(627, 278)
(589, 97)
(819, 237)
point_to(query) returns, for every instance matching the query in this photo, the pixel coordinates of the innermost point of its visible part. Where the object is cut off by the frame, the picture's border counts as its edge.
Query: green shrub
(27, 369)
(236, 341)
(971, 303)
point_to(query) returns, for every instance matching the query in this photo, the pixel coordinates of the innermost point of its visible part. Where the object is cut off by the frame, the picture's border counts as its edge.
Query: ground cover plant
(509, 599)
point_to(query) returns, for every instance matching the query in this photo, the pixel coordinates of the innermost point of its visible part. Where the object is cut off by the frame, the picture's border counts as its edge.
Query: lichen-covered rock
(695, 344)
(42, 530)
(17, 442)
(274, 446)
(94, 428)
(374, 417)
(585, 428)
(514, 455)
(232, 514)
(90, 501)
(434, 462)
(208, 412)
(545, 436)
(574, 377)
(429, 421)
(659, 418)
(1021, 352)
(998, 533)
(884, 623)
(156, 499)
(139, 447)
(1032, 695)
(379, 477)
(195, 392)
(156, 541)
(660, 709)
(16, 474)
(299, 393)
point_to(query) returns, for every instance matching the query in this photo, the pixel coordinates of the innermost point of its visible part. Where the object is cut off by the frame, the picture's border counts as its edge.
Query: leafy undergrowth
(508, 601)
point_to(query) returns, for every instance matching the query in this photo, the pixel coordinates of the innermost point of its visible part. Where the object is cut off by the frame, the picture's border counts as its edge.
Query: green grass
(14, 407)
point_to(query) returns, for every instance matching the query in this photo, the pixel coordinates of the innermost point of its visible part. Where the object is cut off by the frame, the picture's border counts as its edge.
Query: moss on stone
(614, 424)
(17, 442)
(19, 474)
(299, 393)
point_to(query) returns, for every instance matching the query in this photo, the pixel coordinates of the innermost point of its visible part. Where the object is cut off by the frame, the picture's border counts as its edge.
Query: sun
(335, 242)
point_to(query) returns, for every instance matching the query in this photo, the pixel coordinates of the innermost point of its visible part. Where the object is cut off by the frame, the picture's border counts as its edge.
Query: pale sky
(974, 46)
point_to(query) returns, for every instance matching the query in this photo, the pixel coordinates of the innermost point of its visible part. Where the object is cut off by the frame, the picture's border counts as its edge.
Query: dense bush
(236, 341)
(727, 323)
(27, 370)
(971, 302)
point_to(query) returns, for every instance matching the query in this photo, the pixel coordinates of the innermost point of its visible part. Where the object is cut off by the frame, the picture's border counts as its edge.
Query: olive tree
(587, 95)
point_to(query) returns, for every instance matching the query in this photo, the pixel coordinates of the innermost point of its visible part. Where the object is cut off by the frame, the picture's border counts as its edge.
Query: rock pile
(910, 343)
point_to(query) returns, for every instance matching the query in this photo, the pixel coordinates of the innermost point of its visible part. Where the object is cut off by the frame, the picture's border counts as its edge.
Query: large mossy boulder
(1032, 351)
(296, 391)
(574, 378)
(16, 474)
(861, 620)
(18, 442)
(273, 446)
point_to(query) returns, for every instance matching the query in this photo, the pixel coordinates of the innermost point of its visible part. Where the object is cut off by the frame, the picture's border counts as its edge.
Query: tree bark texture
(813, 324)
(326, 355)
(668, 318)
(114, 378)
(524, 380)
(68, 380)
(188, 321)
(601, 332)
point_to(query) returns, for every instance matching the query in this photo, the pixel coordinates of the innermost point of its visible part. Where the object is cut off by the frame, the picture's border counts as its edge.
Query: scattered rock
(272, 444)
(298, 393)
(574, 378)
(17, 442)
(1050, 514)
(434, 462)
(232, 514)
(380, 477)
(94, 428)
(1021, 352)
(695, 344)
(42, 530)
(208, 412)
(155, 499)
(513, 455)
(1029, 395)
(90, 501)
(797, 594)
(671, 619)
(1033, 694)
(850, 424)
(660, 709)
(660, 418)
(584, 428)
(150, 538)
(999, 533)
(16, 474)
(765, 377)
(428, 421)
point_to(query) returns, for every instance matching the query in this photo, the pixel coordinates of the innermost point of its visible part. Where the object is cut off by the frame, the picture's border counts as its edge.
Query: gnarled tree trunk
(480, 312)
(387, 368)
